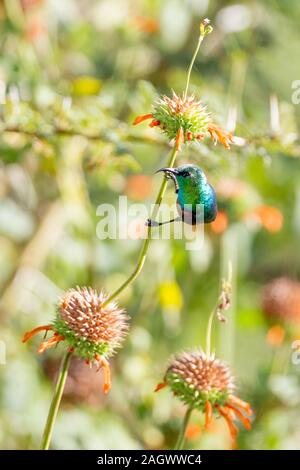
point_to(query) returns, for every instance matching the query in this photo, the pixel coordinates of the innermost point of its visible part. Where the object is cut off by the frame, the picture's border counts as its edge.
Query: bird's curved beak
(170, 173)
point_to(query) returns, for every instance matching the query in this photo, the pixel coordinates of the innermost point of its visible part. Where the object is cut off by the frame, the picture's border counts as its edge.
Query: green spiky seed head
(177, 113)
(196, 378)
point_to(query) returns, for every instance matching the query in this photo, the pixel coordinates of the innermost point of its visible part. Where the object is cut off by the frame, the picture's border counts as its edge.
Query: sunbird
(193, 190)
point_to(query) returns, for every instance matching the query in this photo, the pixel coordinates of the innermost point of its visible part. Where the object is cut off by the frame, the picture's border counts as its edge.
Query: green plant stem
(215, 311)
(229, 256)
(59, 388)
(208, 332)
(181, 438)
(201, 37)
(145, 247)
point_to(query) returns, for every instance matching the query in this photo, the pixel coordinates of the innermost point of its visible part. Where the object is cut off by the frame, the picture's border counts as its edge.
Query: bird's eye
(185, 174)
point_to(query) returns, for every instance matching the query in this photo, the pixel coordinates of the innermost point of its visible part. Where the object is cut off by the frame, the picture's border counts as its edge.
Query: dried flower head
(205, 27)
(90, 328)
(184, 119)
(205, 383)
(224, 299)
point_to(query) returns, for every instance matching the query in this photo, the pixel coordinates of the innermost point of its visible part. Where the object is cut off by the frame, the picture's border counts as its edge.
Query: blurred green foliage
(73, 75)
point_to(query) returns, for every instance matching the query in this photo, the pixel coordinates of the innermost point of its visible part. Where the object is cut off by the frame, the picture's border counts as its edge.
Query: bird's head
(185, 176)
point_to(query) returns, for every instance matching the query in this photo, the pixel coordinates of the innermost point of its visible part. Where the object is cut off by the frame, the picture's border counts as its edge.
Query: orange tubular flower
(244, 419)
(179, 139)
(106, 370)
(208, 414)
(229, 420)
(142, 118)
(49, 343)
(89, 329)
(160, 386)
(56, 338)
(205, 383)
(154, 123)
(33, 332)
(219, 134)
(241, 404)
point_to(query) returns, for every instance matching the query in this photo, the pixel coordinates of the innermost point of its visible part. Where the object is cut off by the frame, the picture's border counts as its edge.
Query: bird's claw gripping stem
(151, 223)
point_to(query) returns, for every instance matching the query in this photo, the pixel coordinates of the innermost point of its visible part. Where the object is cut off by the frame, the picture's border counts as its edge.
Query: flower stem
(145, 247)
(230, 256)
(181, 438)
(208, 332)
(222, 304)
(59, 388)
(201, 37)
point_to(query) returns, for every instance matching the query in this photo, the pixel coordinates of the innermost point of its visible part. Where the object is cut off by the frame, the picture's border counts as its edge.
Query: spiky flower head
(87, 326)
(205, 383)
(195, 378)
(178, 112)
(185, 119)
(281, 300)
(91, 327)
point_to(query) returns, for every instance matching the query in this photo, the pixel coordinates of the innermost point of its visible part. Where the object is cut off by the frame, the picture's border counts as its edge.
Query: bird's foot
(151, 223)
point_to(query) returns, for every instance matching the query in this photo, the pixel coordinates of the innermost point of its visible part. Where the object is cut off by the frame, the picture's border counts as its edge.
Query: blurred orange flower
(281, 300)
(270, 218)
(193, 431)
(138, 187)
(35, 29)
(28, 4)
(275, 335)
(220, 224)
(146, 24)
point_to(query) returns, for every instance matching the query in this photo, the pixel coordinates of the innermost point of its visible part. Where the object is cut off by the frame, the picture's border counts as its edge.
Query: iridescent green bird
(196, 198)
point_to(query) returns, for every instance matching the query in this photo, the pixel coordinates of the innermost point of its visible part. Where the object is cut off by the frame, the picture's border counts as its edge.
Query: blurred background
(73, 75)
